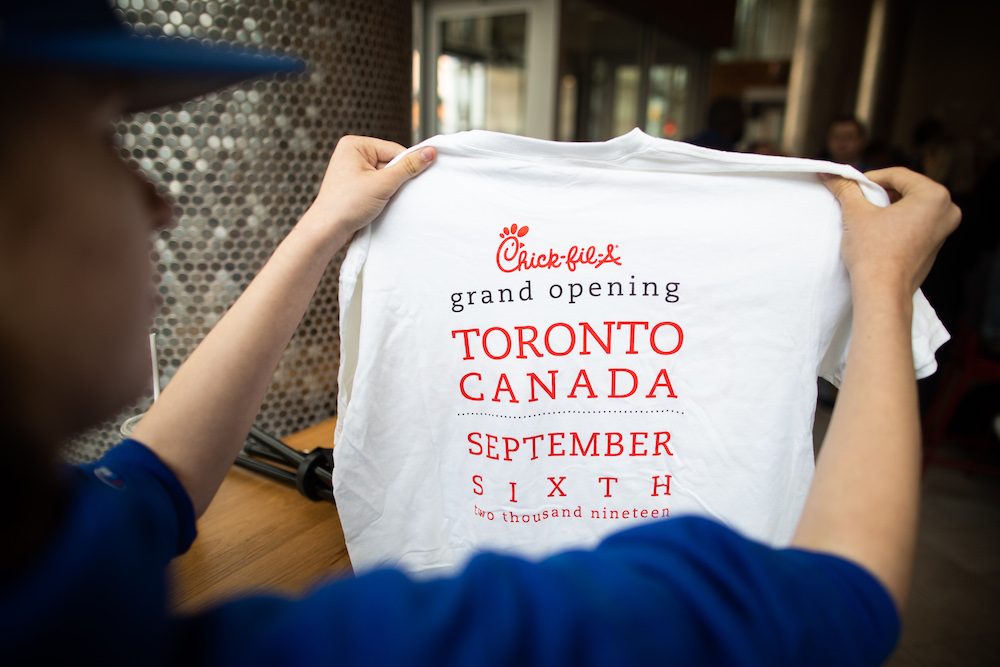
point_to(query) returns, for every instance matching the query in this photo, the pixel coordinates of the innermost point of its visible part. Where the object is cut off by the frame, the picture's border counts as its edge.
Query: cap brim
(161, 71)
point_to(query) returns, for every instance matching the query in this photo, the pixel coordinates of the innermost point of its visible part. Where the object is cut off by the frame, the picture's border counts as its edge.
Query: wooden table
(259, 534)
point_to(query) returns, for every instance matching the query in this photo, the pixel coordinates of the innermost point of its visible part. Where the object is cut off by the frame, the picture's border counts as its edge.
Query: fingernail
(427, 153)
(825, 177)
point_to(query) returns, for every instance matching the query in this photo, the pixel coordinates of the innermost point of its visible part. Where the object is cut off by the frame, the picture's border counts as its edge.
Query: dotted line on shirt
(565, 412)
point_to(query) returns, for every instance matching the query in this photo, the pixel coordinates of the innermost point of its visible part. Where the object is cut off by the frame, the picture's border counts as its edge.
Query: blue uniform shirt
(684, 591)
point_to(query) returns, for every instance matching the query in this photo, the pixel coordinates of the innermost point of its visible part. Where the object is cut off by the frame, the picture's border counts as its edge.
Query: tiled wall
(242, 165)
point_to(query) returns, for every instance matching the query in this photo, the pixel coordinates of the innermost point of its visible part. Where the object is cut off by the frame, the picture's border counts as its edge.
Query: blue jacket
(684, 591)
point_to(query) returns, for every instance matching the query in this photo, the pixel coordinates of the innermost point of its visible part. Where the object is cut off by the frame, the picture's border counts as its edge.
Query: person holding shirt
(83, 569)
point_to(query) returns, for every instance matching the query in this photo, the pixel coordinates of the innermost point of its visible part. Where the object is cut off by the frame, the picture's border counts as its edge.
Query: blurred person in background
(765, 148)
(846, 141)
(725, 125)
(881, 155)
(939, 156)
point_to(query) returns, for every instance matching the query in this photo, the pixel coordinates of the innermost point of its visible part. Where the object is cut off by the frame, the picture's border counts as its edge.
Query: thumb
(846, 190)
(409, 166)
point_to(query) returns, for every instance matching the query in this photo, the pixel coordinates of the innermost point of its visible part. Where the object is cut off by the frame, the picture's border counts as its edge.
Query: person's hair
(21, 98)
(26, 94)
(847, 118)
(927, 130)
(724, 113)
(32, 495)
(30, 95)
(30, 490)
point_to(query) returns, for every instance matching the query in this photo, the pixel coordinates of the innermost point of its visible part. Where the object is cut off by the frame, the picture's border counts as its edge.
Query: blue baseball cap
(87, 36)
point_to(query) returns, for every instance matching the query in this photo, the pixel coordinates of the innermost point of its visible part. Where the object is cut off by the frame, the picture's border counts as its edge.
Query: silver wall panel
(243, 164)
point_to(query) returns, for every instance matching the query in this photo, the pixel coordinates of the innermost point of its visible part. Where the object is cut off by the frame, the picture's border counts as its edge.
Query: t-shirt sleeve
(684, 591)
(96, 592)
(927, 335)
(134, 469)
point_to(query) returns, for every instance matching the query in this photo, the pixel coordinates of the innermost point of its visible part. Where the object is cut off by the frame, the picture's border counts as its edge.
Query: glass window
(617, 74)
(670, 80)
(626, 99)
(599, 91)
(481, 74)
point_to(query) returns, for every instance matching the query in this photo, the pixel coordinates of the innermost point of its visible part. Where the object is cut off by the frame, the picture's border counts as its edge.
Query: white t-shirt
(542, 343)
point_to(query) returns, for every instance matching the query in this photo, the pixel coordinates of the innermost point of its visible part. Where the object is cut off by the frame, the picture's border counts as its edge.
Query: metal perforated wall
(243, 164)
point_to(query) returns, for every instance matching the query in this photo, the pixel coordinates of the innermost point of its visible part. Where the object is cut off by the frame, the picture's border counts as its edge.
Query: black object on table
(310, 472)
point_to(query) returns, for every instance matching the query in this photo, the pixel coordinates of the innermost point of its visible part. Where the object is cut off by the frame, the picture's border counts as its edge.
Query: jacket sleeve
(682, 591)
(134, 470)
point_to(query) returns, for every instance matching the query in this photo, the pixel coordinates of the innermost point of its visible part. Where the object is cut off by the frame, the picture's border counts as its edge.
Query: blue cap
(86, 35)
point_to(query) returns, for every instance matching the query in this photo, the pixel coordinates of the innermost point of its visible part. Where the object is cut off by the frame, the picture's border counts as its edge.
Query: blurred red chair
(969, 367)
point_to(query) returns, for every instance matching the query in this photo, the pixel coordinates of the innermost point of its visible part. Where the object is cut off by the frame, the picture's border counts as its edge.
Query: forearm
(863, 504)
(201, 420)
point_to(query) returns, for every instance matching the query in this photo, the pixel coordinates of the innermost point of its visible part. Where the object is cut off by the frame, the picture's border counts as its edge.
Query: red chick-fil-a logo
(512, 256)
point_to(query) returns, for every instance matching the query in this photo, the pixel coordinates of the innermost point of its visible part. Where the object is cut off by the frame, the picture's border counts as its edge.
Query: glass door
(485, 66)
(618, 73)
